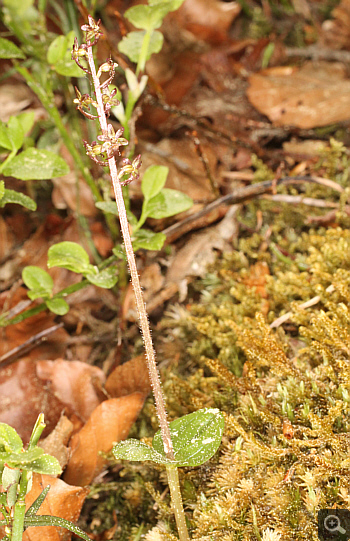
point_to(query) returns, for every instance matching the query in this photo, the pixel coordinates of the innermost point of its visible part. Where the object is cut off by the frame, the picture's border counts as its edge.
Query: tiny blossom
(92, 31)
(83, 101)
(79, 51)
(112, 141)
(130, 169)
(93, 151)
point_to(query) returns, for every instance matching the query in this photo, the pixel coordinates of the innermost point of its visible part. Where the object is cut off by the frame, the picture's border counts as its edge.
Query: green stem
(41, 307)
(143, 53)
(176, 500)
(20, 508)
(8, 159)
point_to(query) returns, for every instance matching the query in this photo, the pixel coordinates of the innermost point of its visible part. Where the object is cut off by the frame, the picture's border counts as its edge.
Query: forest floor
(248, 105)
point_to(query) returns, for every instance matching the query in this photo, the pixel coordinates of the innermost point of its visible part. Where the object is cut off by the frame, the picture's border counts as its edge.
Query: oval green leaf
(69, 255)
(57, 306)
(148, 240)
(153, 180)
(167, 203)
(131, 44)
(38, 280)
(106, 278)
(148, 17)
(196, 437)
(35, 164)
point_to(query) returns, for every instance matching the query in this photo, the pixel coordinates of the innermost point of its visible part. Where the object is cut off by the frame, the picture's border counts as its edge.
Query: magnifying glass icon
(332, 524)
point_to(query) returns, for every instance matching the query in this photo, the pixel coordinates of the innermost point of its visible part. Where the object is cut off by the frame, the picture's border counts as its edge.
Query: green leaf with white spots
(196, 437)
(36, 164)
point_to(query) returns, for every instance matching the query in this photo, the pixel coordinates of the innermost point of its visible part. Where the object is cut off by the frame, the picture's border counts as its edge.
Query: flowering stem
(140, 304)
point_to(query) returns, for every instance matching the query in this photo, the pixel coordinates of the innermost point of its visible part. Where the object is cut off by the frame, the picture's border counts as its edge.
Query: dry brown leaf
(336, 32)
(314, 95)
(199, 251)
(74, 383)
(63, 501)
(14, 98)
(14, 335)
(23, 396)
(208, 20)
(65, 195)
(108, 424)
(56, 443)
(128, 378)
(186, 171)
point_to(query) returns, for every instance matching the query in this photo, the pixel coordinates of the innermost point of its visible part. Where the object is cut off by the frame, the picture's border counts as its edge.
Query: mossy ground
(285, 391)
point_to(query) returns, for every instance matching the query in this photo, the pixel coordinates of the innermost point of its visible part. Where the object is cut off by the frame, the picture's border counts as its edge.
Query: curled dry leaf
(74, 383)
(23, 396)
(314, 95)
(56, 443)
(128, 378)
(63, 501)
(109, 423)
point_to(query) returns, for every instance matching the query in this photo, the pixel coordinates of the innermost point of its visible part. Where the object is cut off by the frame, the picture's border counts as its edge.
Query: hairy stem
(145, 328)
(143, 317)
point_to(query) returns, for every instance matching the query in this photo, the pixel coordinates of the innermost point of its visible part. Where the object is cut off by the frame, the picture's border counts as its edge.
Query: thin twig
(12, 355)
(311, 302)
(246, 193)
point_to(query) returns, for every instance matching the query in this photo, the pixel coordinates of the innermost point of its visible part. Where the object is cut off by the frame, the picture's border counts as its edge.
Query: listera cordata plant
(17, 466)
(194, 438)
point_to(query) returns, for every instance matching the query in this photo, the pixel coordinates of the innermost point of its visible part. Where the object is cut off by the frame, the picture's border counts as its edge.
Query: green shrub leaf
(131, 44)
(148, 17)
(18, 198)
(45, 464)
(196, 437)
(135, 450)
(38, 281)
(108, 206)
(9, 49)
(106, 278)
(35, 164)
(69, 255)
(9, 439)
(146, 239)
(167, 203)
(153, 180)
(57, 306)
(26, 120)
